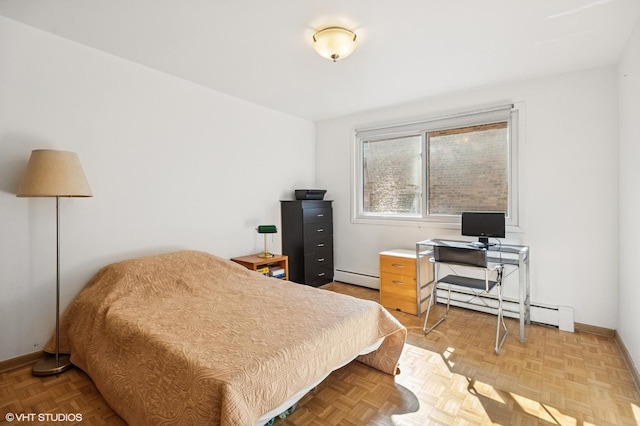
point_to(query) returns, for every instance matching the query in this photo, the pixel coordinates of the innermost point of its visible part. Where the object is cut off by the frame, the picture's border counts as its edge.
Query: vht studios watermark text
(43, 417)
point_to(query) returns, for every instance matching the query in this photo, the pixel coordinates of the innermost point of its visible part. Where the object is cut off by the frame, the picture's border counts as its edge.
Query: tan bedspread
(190, 338)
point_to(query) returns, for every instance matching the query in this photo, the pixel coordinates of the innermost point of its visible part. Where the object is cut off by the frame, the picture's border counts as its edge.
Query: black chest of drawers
(307, 238)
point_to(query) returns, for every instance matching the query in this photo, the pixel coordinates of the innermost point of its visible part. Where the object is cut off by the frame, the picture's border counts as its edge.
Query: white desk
(507, 254)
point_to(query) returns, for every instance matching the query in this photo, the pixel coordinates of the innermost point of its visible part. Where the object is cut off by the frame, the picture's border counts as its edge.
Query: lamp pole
(48, 367)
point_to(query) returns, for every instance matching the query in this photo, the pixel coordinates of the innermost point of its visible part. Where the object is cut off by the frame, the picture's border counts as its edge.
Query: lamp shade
(267, 229)
(52, 173)
(334, 43)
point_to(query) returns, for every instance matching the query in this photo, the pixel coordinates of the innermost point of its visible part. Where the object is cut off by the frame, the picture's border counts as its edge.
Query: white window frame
(514, 113)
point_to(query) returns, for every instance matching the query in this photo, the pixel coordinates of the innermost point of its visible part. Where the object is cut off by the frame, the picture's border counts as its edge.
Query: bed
(190, 338)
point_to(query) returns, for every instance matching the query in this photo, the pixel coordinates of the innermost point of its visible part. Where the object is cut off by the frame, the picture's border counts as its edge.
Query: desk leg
(523, 280)
(528, 289)
(418, 281)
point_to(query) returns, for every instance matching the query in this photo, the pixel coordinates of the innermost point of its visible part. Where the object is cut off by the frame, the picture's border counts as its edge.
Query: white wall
(629, 314)
(172, 166)
(568, 187)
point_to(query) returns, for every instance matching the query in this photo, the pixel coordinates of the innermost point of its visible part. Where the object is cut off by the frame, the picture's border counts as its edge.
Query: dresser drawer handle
(320, 230)
(321, 274)
(398, 282)
(321, 215)
(321, 259)
(320, 245)
(397, 265)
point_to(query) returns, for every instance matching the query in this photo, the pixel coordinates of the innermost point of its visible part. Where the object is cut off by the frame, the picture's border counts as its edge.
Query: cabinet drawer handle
(320, 245)
(320, 230)
(321, 215)
(398, 282)
(321, 274)
(321, 259)
(397, 265)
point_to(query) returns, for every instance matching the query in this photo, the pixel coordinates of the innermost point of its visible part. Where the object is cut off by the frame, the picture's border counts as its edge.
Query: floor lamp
(56, 174)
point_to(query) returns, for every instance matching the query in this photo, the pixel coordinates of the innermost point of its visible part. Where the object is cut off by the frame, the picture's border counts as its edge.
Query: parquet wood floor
(451, 377)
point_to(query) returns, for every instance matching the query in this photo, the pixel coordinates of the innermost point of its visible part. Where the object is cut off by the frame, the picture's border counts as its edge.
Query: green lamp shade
(267, 229)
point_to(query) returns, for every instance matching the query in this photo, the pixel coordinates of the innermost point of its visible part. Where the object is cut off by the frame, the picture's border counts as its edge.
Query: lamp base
(265, 254)
(49, 366)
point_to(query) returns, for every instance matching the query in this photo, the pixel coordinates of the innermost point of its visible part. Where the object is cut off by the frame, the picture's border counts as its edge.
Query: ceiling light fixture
(334, 43)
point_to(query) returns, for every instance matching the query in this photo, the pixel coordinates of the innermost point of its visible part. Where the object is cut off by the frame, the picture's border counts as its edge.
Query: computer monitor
(483, 225)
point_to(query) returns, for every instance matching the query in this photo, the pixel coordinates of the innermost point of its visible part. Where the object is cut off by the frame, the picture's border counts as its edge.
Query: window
(392, 176)
(434, 170)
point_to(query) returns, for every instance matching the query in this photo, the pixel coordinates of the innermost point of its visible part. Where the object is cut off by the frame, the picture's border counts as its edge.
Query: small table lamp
(54, 174)
(266, 229)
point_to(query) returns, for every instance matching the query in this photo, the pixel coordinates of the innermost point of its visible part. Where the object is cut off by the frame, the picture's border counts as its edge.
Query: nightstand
(265, 265)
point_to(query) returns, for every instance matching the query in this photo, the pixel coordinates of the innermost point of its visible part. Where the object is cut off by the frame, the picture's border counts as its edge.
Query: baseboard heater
(557, 316)
(357, 278)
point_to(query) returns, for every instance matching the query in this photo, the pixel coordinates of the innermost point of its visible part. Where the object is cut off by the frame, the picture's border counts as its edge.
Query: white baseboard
(363, 280)
(558, 316)
(565, 318)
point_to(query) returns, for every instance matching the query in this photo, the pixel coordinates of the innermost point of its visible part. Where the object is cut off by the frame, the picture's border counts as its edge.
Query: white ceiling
(262, 50)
